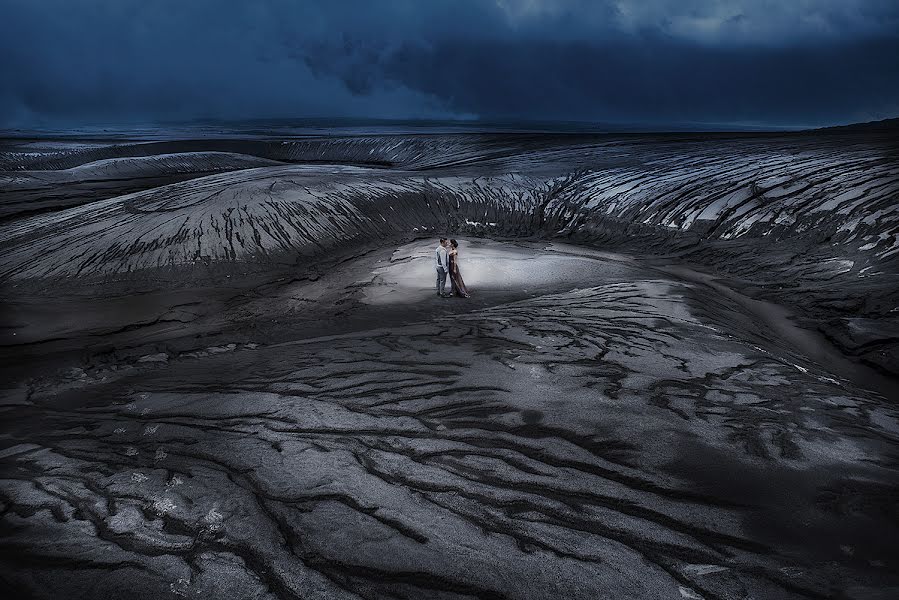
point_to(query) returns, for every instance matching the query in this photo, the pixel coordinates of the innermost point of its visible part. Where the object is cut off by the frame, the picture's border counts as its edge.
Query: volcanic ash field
(227, 373)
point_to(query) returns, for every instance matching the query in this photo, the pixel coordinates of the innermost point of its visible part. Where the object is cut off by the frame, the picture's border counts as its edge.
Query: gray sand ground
(585, 426)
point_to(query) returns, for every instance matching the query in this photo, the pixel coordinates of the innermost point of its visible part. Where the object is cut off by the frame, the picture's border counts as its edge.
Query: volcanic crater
(227, 371)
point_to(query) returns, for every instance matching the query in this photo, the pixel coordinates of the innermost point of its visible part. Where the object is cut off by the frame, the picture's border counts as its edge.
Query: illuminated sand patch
(488, 266)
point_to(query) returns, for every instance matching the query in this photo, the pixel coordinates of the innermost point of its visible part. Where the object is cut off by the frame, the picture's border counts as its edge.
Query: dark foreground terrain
(227, 375)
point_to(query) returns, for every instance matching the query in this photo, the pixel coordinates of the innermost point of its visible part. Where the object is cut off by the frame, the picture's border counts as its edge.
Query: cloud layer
(803, 62)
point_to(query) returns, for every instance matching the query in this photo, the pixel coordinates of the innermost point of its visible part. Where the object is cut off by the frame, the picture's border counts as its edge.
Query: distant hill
(886, 125)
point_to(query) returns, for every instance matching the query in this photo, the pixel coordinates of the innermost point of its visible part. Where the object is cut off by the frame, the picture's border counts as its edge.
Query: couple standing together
(448, 264)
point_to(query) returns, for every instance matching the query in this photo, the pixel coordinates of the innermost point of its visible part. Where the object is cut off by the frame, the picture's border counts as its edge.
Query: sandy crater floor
(587, 425)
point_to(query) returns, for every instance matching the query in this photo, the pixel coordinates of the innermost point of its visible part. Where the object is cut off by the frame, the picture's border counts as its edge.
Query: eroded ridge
(782, 189)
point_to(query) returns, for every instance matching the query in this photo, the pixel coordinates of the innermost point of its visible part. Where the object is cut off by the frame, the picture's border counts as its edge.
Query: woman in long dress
(458, 285)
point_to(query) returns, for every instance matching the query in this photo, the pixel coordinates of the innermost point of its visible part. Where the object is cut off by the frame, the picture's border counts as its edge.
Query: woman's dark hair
(454, 243)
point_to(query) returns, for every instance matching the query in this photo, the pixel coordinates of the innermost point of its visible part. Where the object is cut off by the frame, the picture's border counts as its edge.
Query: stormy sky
(770, 62)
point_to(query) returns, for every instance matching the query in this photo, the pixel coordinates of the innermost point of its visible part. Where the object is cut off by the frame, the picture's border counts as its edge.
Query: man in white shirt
(442, 267)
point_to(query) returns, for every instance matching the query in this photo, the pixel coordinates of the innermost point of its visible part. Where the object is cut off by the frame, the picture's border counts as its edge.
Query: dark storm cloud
(72, 61)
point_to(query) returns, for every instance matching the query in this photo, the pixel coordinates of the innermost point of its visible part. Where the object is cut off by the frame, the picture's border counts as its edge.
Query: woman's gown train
(456, 281)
